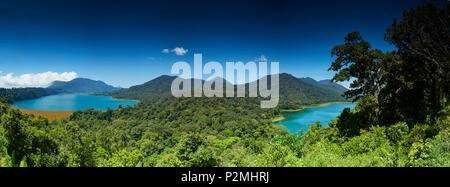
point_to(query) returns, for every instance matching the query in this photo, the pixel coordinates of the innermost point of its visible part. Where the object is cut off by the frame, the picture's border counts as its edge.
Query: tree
(418, 71)
(356, 59)
(423, 41)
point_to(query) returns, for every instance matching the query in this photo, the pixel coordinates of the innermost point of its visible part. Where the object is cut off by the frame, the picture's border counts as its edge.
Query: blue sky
(121, 42)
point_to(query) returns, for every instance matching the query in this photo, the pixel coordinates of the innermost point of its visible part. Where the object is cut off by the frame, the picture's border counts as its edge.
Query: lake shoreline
(124, 99)
(115, 98)
(302, 119)
(314, 106)
(278, 119)
(50, 115)
(282, 117)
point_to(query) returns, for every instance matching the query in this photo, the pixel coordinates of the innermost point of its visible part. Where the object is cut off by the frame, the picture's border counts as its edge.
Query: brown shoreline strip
(51, 115)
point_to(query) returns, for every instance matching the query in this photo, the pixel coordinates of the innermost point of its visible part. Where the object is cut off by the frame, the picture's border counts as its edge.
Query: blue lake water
(294, 121)
(72, 102)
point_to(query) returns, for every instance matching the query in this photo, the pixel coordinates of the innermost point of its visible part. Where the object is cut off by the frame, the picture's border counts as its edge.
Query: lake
(72, 102)
(294, 121)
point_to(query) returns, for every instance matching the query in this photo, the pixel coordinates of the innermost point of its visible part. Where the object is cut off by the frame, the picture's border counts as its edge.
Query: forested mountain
(323, 83)
(330, 83)
(309, 80)
(157, 87)
(293, 91)
(18, 94)
(82, 85)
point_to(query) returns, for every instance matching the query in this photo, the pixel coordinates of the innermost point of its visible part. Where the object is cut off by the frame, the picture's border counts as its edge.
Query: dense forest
(402, 117)
(18, 94)
(211, 132)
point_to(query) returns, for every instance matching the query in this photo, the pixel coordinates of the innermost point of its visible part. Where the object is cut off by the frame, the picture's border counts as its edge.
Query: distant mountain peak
(286, 74)
(165, 77)
(82, 85)
(333, 84)
(309, 80)
(292, 90)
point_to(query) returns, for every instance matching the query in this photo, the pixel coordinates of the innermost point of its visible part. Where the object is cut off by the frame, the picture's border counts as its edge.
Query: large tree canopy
(423, 41)
(409, 84)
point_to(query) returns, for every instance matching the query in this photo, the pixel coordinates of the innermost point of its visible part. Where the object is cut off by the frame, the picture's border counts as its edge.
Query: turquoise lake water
(300, 120)
(72, 102)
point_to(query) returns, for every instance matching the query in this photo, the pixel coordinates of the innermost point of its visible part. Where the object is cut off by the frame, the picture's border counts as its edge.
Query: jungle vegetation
(401, 119)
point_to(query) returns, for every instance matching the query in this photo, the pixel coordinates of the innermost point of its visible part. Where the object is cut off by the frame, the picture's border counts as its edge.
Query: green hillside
(158, 87)
(82, 85)
(294, 92)
(18, 94)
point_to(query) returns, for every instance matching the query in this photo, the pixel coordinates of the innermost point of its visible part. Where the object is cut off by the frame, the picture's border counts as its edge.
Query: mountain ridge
(294, 91)
(82, 85)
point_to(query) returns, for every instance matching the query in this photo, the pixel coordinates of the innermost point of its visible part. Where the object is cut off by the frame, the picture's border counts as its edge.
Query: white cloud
(165, 51)
(180, 51)
(261, 59)
(34, 80)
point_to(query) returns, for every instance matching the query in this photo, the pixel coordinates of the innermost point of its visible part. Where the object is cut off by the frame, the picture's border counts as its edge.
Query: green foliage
(422, 38)
(367, 142)
(405, 91)
(397, 145)
(277, 155)
(402, 118)
(24, 136)
(428, 149)
(371, 148)
(144, 135)
(397, 132)
(315, 134)
(3, 143)
(439, 153)
(356, 59)
(18, 94)
(292, 141)
(419, 152)
(421, 132)
(409, 84)
(123, 158)
(23, 163)
(169, 160)
(350, 123)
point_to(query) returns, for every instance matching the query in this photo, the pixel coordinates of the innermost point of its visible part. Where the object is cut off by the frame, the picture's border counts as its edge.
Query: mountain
(157, 87)
(330, 83)
(309, 80)
(82, 85)
(294, 92)
(325, 83)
